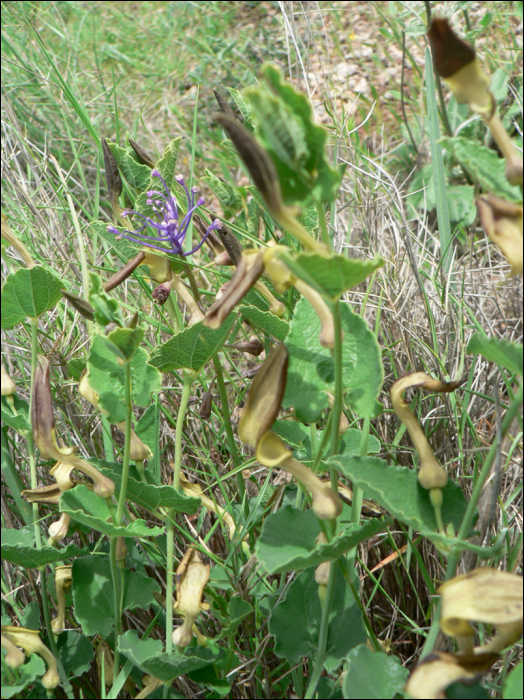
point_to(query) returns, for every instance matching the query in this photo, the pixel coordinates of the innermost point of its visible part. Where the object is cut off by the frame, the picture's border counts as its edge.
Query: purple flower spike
(170, 232)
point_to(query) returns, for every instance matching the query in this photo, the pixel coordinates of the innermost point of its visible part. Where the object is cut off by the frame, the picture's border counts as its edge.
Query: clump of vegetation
(183, 519)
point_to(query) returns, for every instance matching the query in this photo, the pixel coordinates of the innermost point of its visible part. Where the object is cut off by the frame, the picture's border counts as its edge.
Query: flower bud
(58, 529)
(205, 406)
(252, 347)
(161, 293)
(8, 384)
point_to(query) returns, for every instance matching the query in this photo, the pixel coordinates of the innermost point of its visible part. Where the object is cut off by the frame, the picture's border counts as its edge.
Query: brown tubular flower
(43, 425)
(264, 397)
(250, 268)
(431, 475)
(483, 595)
(191, 577)
(114, 181)
(30, 641)
(261, 409)
(264, 175)
(143, 156)
(502, 221)
(456, 63)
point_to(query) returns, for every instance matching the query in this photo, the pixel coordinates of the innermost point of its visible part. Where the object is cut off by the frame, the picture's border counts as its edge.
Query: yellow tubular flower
(191, 577)
(30, 641)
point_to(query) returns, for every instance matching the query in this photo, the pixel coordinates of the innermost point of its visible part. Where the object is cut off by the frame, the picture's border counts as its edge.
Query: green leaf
(107, 310)
(192, 347)
(483, 165)
(93, 594)
(439, 175)
(125, 250)
(373, 675)
(18, 548)
(238, 609)
(296, 144)
(295, 622)
(242, 105)
(166, 166)
(227, 195)
(330, 275)
(26, 674)
(299, 437)
(76, 652)
(149, 496)
(502, 352)
(461, 204)
(513, 685)
(398, 491)
(147, 655)
(29, 294)
(106, 377)
(266, 321)
(311, 368)
(124, 342)
(288, 540)
(134, 172)
(20, 422)
(86, 507)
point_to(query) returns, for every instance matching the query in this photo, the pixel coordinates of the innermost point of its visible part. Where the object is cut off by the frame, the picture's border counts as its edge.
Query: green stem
(335, 426)
(116, 568)
(189, 377)
(170, 553)
(323, 224)
(127, 442)
(358, 495)
(224, 405)
(336, 411)
(115, 577)
(322, 636)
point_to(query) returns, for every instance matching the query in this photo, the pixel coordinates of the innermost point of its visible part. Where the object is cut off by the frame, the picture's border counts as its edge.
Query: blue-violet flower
(171, 232)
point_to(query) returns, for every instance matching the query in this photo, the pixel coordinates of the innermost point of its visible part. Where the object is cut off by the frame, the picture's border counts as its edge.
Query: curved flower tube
(170, 232)
(191, 577)
(44, 432)
(273, 452)
(31, 643)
